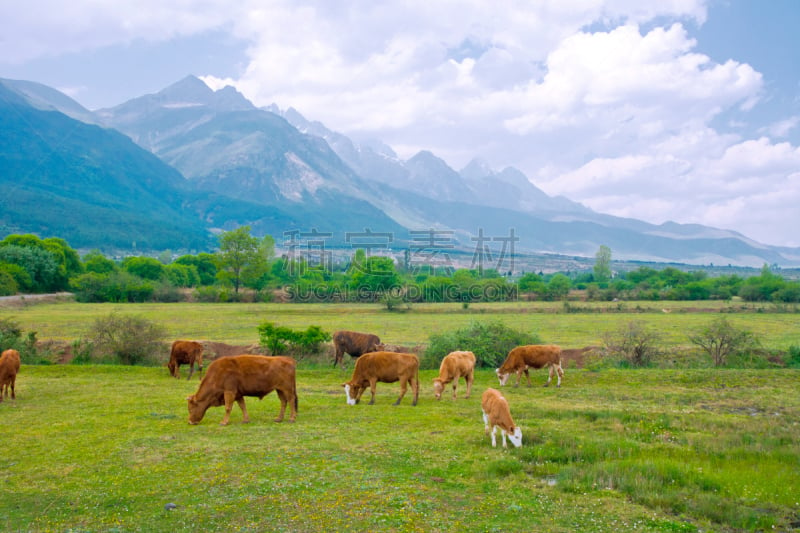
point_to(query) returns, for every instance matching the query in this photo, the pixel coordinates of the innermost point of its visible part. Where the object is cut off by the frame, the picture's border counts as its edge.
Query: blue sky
(682, 110)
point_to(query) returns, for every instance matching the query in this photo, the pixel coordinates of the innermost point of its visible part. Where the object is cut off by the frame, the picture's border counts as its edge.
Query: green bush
(127, 340)
(8, 285)
(793, 360)
(489, 341)
(11, 337)
(280, 339)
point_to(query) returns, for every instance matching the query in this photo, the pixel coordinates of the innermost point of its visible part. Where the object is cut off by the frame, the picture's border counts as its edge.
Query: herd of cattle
(230, 379)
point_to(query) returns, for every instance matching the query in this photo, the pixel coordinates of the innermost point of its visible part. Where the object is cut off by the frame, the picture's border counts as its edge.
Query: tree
(602, 264)
(558, 287)
(204, 263)
(635, 343)
(144, 267)
(720, 338)
(237, 250)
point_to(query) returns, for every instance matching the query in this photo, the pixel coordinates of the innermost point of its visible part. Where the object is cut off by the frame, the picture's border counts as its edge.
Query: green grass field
(106, 448)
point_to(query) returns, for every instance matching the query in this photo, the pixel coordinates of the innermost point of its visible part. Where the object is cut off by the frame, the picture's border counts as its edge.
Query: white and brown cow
(521, 358)
(455, 365)
(353, 343)
(230, 379)
(497, 415)
(386, 367)
(9, 367)
(185, 353)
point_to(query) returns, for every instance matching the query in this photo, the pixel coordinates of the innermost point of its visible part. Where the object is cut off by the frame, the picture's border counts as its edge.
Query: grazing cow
(386, 367)
(9, 366)
(185, 353)
(521, 358)
(230, 379)
(354, 343)
(496, 414)
(455, 365)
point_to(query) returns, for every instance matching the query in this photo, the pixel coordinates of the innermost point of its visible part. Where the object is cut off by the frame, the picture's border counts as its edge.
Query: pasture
(108, 448)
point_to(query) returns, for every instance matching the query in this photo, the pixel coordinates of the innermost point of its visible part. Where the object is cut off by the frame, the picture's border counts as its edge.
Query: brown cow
(354, 343)
(496, 414)
(386, 367)
(230, 379)
(9, 366)
(454, 366)
(521, 358)
(185, 353)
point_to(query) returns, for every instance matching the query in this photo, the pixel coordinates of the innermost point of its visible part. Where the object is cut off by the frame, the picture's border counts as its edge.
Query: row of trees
(31, 264)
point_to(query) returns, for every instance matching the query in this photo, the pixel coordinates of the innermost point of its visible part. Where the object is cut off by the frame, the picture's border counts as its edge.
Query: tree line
(246, 267)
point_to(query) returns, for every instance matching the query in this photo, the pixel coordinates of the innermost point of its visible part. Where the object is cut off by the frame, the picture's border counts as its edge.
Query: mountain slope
(221, 143)
(91, 186)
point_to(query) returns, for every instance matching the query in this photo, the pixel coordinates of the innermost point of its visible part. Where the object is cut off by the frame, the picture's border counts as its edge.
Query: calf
(521, 358)
(9, 366)
(496, 414)
(354, 343)
(386, 367)
(232, 378)
(185, 353)
(454, 366)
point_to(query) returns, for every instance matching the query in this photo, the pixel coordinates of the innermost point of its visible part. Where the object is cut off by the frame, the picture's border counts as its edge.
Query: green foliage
(180, 275)
(98, 263)
(8, 285)
(602, 264)
(204, 263)
(281, 339)
(490, 341)
(720, 339)
(242, 259)
(145, 267)
(117, 286)
(635, 343)
(127, 340)
(12, 337)
(39, 264)
(793, 356)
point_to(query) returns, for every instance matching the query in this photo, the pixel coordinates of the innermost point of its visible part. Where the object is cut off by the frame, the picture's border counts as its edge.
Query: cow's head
(196, 412)
(516, 437)
(351, 391)
(438, 388)
(502, 376)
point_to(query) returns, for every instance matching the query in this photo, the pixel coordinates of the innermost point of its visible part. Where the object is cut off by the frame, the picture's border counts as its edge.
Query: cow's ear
(190, 397)
(344, 384)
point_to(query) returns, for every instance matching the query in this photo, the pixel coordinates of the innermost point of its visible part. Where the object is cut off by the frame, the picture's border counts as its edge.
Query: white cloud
(606, 101)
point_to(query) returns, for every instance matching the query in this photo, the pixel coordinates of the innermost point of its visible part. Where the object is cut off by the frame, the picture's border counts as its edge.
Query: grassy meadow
(108, 448)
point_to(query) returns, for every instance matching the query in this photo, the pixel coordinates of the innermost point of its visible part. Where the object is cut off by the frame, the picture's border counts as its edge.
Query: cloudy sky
(682, 110)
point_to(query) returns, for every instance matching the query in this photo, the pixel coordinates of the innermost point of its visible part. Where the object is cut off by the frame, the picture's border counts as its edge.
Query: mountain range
(170, 169)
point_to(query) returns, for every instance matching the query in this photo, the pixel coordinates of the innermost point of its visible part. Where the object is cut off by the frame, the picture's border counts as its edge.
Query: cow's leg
(560, 374)
(372, 386)
(13, 386)
(415, 389)
(494, 437)
(549, 376)
(528, 376)
(245, 416)
(503, 433)
(455, 384)
(284, 398)
(470, 378)
(519, 376)
(229, 399)
(485, 422)
(191, 371)
(403, 389)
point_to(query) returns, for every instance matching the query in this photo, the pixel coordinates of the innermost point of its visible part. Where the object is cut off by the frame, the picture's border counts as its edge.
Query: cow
(521, 358)
(185, 353)
(497, 415)
(231, 378)
(386, 367)
(9, 367)
(455, 365)
(354, 343)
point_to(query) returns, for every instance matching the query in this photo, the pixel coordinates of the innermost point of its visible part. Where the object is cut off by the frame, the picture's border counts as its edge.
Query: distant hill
(205, 161)
(92, 186)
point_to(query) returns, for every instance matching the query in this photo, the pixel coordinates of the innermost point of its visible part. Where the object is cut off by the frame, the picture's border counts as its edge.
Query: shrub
(720, 339)
(11, 337)
(127, 340)
(634, 343)
(280, 339)
(793, 356)
(8, 285)
(489, 341)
